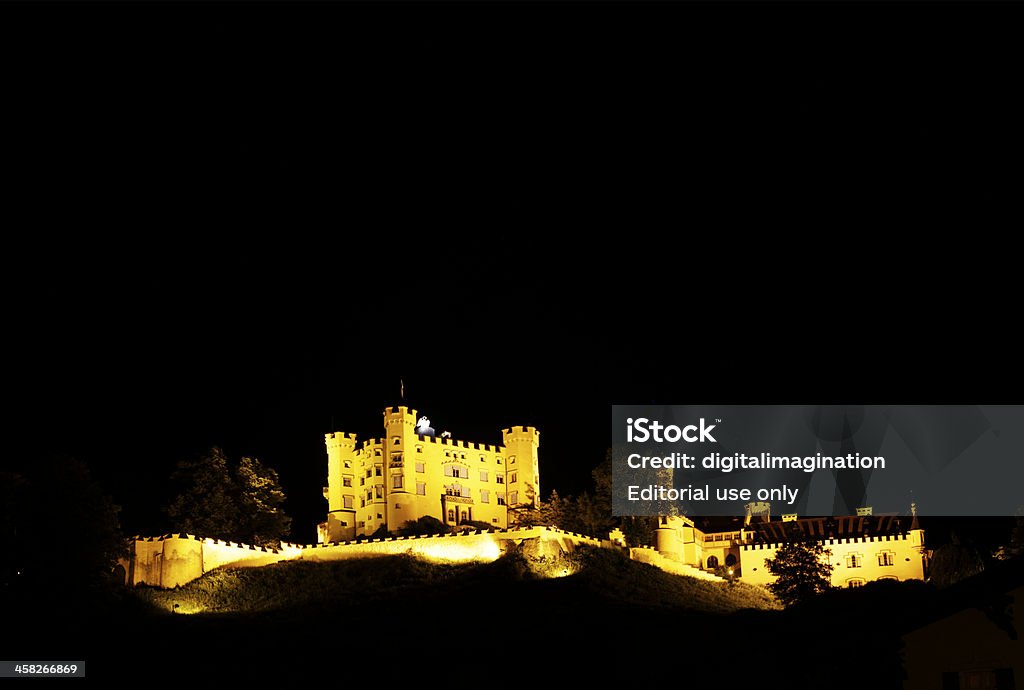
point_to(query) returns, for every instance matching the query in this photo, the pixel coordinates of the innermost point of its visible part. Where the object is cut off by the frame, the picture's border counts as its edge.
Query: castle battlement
(419, 474)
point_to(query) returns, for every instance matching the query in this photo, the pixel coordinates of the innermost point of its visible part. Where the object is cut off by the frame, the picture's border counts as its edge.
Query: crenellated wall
(855, 560)
(646, 554)
(175, 559)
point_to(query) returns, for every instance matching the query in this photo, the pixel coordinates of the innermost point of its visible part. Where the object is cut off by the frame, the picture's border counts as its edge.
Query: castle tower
(339, 492)
(400, 451)
(410, 473)
(522, 471)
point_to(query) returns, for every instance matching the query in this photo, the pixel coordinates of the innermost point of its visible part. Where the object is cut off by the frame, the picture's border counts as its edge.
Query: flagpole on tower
(401, 384)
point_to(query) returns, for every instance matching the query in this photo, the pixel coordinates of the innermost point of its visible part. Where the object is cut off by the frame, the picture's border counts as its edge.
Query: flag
(402, 386)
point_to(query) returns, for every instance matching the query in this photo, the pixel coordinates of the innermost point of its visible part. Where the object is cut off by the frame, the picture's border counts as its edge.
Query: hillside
(400, 622)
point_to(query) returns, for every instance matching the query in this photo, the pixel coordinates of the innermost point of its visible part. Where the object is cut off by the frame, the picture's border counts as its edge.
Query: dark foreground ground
(401, 623)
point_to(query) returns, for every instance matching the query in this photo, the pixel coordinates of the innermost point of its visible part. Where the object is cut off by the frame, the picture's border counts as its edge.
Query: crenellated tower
(341, 472)
(400, 449)
(411, 473)
(522, 474)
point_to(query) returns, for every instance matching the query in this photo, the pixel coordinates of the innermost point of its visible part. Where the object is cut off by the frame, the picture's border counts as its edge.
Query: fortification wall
(646, 554)
(175, 559)
(854, 559)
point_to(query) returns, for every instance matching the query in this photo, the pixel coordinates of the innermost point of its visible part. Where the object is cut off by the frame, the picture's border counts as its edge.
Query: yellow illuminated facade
(410, 473)
(863, 548)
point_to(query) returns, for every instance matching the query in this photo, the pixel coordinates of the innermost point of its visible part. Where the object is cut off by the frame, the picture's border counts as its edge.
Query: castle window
(376, 451)
(369, 496)
(346, 481)
(362, 481)
(462, 456)
(397, 481)
(398, 506)
(499, 478)
(379, 516)
(513, 497)
(396, 441)
(886, 558)
(481, 458)
(483, 475)
(379, 490)
(362, 523)
(854, 560)
(464, 517)
(421, 488)
(378, 470)
(485, 496)
(420, 467)
(451, 515)
(396, 459)
(712, 562)
(494, 520)
(464, 472)
(855, 582)
(362, 503)
(344, 523)
(447, 453)
(369, 473)
(501, 500)
(348, 501)
(348, 464)
(499, 461)
(466, 491)
(512, 478)
(511, 459)
(419, 449)
(448, 471)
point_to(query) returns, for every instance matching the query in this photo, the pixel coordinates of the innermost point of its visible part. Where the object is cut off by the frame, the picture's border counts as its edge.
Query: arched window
(712, 561)
(465, 517)
(730, 560)
(451, 515)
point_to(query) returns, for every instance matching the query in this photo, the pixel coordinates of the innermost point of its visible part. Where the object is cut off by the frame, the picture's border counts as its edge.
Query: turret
(522, 469)
(399, 445)
(339, 491)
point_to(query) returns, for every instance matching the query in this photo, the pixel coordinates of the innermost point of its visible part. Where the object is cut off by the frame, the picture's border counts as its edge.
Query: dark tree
(528, 512)
(262, 520)
(426, 525)
(207, 505)
(243, 504)
(60, 530)
(954, 561)
(802, 570)
(639, 530)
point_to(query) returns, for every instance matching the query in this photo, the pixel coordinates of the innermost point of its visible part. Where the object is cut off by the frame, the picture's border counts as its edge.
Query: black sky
(244, 227)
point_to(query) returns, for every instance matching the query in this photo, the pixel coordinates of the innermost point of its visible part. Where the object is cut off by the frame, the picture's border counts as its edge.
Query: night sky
(249, 237)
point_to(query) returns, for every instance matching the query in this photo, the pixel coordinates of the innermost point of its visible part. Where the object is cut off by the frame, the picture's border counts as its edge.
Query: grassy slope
(398, 622)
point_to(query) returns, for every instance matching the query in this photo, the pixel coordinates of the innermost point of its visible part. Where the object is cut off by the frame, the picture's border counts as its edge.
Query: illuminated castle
(411, 473)
(863, 548)
(376, 486)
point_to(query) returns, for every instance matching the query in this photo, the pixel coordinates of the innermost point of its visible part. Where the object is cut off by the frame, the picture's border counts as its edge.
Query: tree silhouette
(207, 506)
(801, 571)
(261, 519)
(243, 503)
(59, 528)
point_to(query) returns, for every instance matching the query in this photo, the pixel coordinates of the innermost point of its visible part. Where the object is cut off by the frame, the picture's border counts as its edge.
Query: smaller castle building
(411, 472)
(863, 547)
